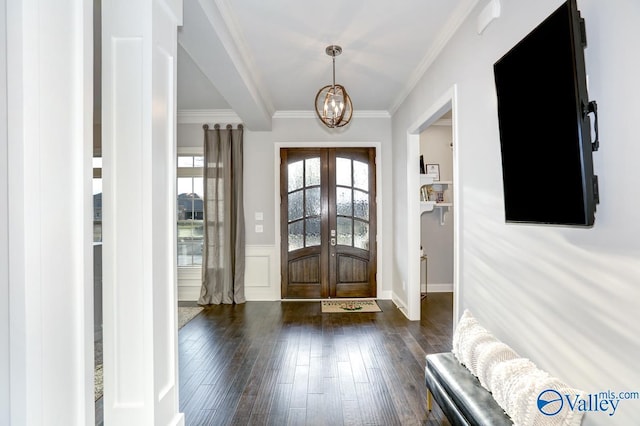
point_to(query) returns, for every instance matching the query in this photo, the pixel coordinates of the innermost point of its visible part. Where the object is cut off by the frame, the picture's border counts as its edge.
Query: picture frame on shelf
(434, 170)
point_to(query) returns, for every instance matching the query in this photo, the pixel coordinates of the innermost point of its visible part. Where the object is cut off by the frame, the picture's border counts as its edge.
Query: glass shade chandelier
(333, 104)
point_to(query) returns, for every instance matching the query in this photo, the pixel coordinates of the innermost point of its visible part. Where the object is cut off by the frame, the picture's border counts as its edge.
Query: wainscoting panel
(189, 283)
(261, 276)
(261, 273)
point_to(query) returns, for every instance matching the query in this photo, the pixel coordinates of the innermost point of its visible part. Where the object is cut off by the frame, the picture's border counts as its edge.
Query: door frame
(276, 167)
(448, 101)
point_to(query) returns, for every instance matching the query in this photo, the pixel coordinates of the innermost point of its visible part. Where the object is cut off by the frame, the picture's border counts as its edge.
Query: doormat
(334, 306)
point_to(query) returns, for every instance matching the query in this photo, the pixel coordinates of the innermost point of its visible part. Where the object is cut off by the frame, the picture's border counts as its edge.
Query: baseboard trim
(401, 306)
(436, 288)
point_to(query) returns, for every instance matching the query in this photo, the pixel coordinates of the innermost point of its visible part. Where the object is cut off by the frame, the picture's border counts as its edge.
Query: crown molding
(312, 114)
(452, 25)
(227, 116)
(202, 116)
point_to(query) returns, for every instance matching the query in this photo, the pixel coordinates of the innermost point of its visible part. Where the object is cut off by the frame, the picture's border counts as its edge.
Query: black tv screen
(545, 130)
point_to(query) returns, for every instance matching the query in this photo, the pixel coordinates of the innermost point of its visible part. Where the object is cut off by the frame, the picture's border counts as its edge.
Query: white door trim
(448, 101)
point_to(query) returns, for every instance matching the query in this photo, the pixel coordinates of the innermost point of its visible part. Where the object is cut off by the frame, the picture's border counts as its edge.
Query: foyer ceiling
(259, 57)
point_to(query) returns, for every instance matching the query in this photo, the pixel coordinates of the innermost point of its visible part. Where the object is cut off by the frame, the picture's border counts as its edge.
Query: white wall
(436, 239)
(4, 228)
(567, 298)
(260, 179)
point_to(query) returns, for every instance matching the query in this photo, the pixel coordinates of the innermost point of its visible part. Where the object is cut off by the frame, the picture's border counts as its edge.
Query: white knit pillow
(528, 413)
(468, 340)
(467, 330)
(516, 385)
(467, 322)
(489, 355)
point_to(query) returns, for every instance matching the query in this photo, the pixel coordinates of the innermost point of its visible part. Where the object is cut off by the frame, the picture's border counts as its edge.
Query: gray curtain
(223, 256)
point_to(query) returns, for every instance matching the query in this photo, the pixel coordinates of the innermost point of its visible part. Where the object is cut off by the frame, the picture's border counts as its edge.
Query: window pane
(189, 204)
(296, 236)
(295, 176)
(185, 185)
(312, 171)
(361, 175)
(361, 205)
(343, 201)
(343, 171)
(295, 205)
(361, 235)
(312, 232)
(190, 240)
(345, 231)
(198, 186)
(97, 210)
(312, 206)
(190, 214)
(198, 161)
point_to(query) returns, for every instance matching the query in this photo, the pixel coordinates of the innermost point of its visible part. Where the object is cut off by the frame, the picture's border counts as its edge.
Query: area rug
(335, 306)
(185, 314)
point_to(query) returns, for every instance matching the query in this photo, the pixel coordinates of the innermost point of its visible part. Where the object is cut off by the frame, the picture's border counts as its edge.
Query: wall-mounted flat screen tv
(545, 128)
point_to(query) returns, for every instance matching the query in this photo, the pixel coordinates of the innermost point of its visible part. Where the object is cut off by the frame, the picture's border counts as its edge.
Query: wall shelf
(429, 206)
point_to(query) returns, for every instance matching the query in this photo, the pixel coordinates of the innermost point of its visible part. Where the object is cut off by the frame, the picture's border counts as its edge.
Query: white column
(5, 401)
(49, 116)
(139, 44)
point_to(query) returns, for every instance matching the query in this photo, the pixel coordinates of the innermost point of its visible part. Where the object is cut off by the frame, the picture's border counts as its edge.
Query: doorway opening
(445, 104)
(436, 207)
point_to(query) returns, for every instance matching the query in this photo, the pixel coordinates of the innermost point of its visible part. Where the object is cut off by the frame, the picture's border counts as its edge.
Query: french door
(328, 222)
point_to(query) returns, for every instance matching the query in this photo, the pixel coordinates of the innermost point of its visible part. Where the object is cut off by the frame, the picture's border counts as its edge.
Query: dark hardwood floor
(286, 363)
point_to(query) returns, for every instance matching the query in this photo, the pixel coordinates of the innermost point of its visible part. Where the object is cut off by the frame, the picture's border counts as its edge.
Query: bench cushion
(459, 393)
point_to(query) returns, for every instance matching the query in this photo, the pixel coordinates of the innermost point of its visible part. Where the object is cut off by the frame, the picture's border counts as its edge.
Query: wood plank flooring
(286, 363)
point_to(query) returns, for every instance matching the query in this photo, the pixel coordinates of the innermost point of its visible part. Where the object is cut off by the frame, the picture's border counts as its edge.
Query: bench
(459, 393)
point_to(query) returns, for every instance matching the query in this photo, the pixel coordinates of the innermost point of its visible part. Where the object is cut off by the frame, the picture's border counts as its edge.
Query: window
(97, 199)
(190, 210)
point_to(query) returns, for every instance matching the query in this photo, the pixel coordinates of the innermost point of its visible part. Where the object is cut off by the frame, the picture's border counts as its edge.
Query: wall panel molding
(262, 273)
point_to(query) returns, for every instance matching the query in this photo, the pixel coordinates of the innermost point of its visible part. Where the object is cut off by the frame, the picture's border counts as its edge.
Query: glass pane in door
(343, 171)
(361, 175)
(361, 204)
(312, 171)
(295, 205)
(361, 235)
(343, 201)
(304, 203)
(345, 231)
(312, 202)
(295, 174)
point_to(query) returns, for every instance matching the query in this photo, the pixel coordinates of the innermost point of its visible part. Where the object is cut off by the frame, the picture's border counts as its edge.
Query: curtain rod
(217, 126)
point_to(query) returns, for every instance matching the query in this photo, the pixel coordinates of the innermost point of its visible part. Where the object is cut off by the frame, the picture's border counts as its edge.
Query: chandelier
(333, 104)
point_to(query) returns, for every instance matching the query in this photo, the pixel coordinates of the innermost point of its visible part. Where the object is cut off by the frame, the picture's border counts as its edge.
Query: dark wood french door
(328, 222)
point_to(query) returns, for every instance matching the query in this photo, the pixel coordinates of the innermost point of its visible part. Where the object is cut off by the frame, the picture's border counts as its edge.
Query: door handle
(333, 241)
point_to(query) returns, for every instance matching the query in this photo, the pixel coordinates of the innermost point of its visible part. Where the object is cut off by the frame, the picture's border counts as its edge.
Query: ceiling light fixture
(333, 104)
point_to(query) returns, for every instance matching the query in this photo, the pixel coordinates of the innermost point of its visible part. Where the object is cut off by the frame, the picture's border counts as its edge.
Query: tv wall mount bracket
(592, 108)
